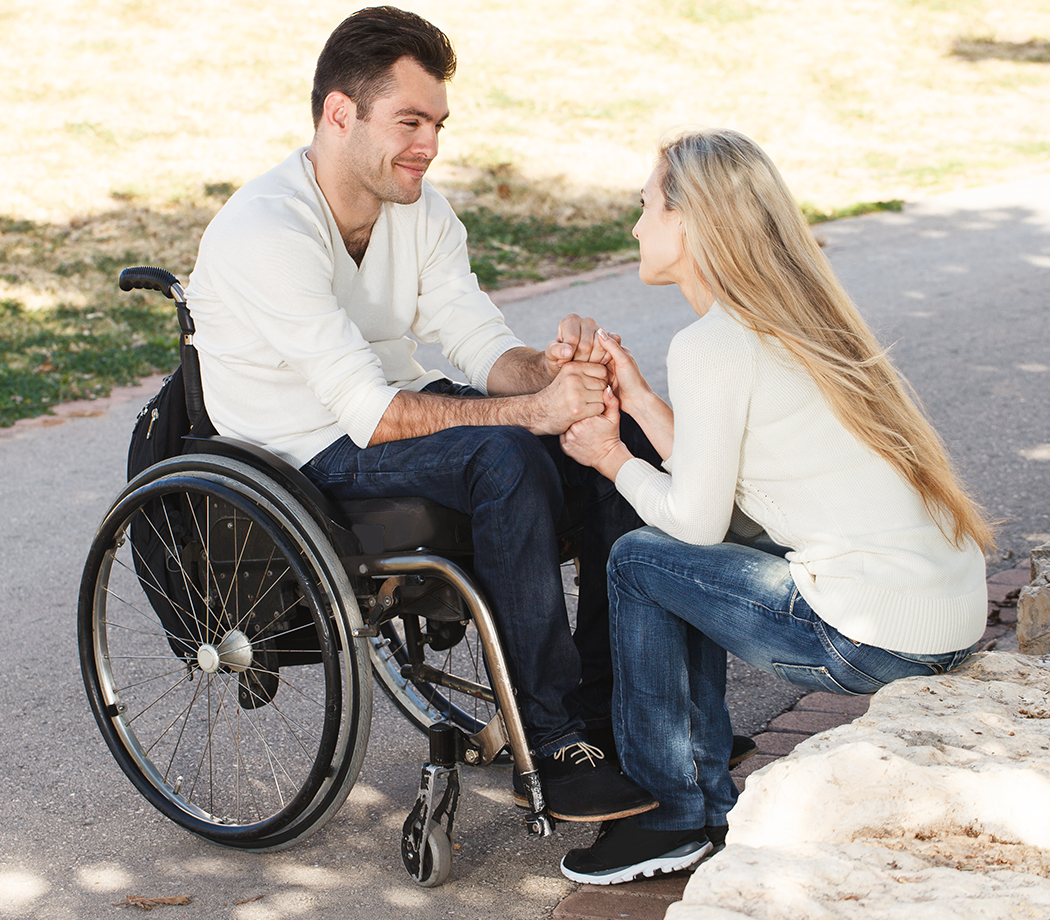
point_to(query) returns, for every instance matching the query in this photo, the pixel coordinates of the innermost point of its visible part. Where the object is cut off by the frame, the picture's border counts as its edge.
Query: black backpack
(160, 529)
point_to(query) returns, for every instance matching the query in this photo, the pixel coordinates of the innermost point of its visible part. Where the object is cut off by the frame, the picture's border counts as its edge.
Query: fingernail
(602, 334)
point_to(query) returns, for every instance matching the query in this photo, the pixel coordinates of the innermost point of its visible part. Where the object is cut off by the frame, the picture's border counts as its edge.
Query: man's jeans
(510, 482)
(674, 611)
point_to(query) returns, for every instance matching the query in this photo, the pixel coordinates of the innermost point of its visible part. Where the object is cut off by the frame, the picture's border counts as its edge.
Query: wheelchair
(230, 666)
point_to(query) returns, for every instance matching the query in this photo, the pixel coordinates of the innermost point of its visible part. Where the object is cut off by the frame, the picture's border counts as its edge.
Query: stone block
(779, 743)
(820, 701)
(753, 765)
(1015, 577)
(595, 903)
(1033, 606)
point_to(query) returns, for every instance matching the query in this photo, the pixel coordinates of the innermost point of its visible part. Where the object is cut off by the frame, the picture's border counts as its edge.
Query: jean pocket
(816, 678)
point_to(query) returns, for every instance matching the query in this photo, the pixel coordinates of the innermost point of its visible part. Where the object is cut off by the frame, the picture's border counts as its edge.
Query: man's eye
(410, 124)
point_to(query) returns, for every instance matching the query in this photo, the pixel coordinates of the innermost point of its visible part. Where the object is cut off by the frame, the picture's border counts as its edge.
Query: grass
(556, 111)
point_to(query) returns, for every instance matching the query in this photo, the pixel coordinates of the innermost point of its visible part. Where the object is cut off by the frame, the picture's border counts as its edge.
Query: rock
(1033, 606)
(819, 881)
(939, 796)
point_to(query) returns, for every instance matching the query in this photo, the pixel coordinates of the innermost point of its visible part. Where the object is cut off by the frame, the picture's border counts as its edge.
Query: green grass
(546, 148)
(65, 353)
(505, 250)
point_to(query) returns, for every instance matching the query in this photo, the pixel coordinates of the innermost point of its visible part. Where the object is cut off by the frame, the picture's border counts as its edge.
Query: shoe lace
(579, 752)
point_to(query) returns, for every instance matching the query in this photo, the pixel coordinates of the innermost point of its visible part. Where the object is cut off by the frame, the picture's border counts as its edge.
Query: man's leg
(504, 480)
(606, 516)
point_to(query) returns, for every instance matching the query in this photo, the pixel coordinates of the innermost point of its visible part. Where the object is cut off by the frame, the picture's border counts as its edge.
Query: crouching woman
(806, 519)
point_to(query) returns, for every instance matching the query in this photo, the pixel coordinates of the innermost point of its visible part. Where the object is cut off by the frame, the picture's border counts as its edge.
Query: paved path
(958, 281)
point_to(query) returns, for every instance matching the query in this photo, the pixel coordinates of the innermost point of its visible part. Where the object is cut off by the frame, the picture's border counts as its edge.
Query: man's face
(387, 154)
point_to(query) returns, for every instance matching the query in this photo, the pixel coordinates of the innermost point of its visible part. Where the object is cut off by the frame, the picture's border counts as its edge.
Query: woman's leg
(669, 700)
(672, 727)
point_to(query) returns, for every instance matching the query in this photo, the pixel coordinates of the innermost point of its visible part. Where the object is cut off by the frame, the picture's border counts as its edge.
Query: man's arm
(525, 370)
(574, 394)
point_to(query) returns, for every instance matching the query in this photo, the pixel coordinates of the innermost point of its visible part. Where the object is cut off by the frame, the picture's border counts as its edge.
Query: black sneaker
(580, 785)
(717, 833)
(623, 852)
(743, 747)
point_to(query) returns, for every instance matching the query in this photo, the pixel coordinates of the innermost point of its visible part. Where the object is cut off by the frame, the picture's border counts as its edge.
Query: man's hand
(575, 393)
(577, 341)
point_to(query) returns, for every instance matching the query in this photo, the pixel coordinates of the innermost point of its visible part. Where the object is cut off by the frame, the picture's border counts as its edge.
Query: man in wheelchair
(306, 287)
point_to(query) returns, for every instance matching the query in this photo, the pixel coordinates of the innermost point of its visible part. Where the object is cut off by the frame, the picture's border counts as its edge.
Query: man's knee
(512, 458)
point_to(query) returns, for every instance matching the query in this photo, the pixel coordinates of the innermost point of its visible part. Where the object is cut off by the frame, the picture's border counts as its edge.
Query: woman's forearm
(656, 419)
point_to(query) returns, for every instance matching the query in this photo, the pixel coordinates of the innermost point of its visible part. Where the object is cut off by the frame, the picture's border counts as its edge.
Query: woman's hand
(596, 441)
(628, 383)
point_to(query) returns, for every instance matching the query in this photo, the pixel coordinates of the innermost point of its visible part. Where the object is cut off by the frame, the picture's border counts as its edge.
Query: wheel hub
(234, 653)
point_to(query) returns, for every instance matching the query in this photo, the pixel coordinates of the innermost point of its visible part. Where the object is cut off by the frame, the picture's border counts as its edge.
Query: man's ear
(340, 112)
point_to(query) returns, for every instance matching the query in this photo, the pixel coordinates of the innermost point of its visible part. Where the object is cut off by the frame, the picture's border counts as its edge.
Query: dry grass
(121, 115)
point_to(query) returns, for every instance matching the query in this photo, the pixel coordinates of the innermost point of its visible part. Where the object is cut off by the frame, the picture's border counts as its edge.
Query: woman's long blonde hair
(754, 251)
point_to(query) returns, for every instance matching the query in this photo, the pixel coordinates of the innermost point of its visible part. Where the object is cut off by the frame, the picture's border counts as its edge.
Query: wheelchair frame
(242, 712)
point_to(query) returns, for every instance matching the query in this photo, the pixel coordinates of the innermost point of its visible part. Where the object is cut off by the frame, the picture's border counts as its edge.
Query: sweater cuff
(364, 413)
(632, 478)
(480, 378)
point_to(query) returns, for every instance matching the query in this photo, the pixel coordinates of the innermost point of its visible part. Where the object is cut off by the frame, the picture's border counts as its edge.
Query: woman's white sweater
(753, 435)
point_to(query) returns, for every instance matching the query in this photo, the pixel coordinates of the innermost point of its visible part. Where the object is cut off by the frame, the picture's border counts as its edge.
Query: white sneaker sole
(661, 865)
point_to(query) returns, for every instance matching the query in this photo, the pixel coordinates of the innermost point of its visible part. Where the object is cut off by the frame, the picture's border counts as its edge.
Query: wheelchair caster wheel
(436, 856)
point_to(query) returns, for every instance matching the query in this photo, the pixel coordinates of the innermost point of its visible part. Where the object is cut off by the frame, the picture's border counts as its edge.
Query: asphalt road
(959, 285)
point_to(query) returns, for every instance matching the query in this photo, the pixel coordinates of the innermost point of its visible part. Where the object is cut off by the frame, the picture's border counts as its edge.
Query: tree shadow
(1033, 51)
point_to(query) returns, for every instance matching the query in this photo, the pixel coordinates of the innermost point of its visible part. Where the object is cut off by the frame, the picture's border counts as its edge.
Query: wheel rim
(237, 750)
(426, 701)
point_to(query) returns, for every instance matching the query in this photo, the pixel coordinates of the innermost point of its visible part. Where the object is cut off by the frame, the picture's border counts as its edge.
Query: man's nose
(426, 144)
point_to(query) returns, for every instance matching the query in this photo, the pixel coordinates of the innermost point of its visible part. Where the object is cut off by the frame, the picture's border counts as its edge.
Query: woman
(810, 522)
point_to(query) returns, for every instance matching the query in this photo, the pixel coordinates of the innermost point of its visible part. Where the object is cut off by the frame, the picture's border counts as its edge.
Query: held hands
(627, 382)
(577, 340)
(595, 441)
(574, 394)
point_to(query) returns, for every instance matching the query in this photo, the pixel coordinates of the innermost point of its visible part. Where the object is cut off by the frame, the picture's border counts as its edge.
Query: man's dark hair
(357, 58)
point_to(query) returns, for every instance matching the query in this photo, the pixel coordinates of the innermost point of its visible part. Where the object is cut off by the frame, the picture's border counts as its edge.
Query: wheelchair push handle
(154, 279)
(157, 279)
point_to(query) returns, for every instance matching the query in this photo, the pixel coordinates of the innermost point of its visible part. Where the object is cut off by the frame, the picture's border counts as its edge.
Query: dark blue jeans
(675, 611)
(510, 483)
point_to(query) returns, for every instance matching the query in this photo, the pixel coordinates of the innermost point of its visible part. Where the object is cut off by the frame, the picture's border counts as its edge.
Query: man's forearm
(575, 393)
(519, 371)
(413, 415)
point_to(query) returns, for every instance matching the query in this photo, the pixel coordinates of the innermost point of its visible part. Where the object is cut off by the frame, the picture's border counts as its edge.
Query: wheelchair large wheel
(217, 653)
(430, 662)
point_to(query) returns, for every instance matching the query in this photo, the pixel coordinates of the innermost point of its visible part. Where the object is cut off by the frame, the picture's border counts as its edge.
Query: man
(306, 286)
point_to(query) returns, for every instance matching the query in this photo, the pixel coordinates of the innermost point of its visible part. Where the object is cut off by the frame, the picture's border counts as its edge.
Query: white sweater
(753, 432)
(298, 345)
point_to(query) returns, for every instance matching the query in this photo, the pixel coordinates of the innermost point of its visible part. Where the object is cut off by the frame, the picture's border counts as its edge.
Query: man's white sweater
(298, 344)
(753, 434)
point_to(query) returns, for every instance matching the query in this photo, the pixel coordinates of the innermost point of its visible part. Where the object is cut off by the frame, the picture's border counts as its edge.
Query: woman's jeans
(675, 609)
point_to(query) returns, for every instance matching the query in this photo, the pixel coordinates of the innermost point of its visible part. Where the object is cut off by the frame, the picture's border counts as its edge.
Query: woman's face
(659, 235)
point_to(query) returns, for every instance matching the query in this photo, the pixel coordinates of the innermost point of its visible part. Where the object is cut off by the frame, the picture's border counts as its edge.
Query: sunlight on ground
(554, 106)
(18, 891)
(104, 877)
